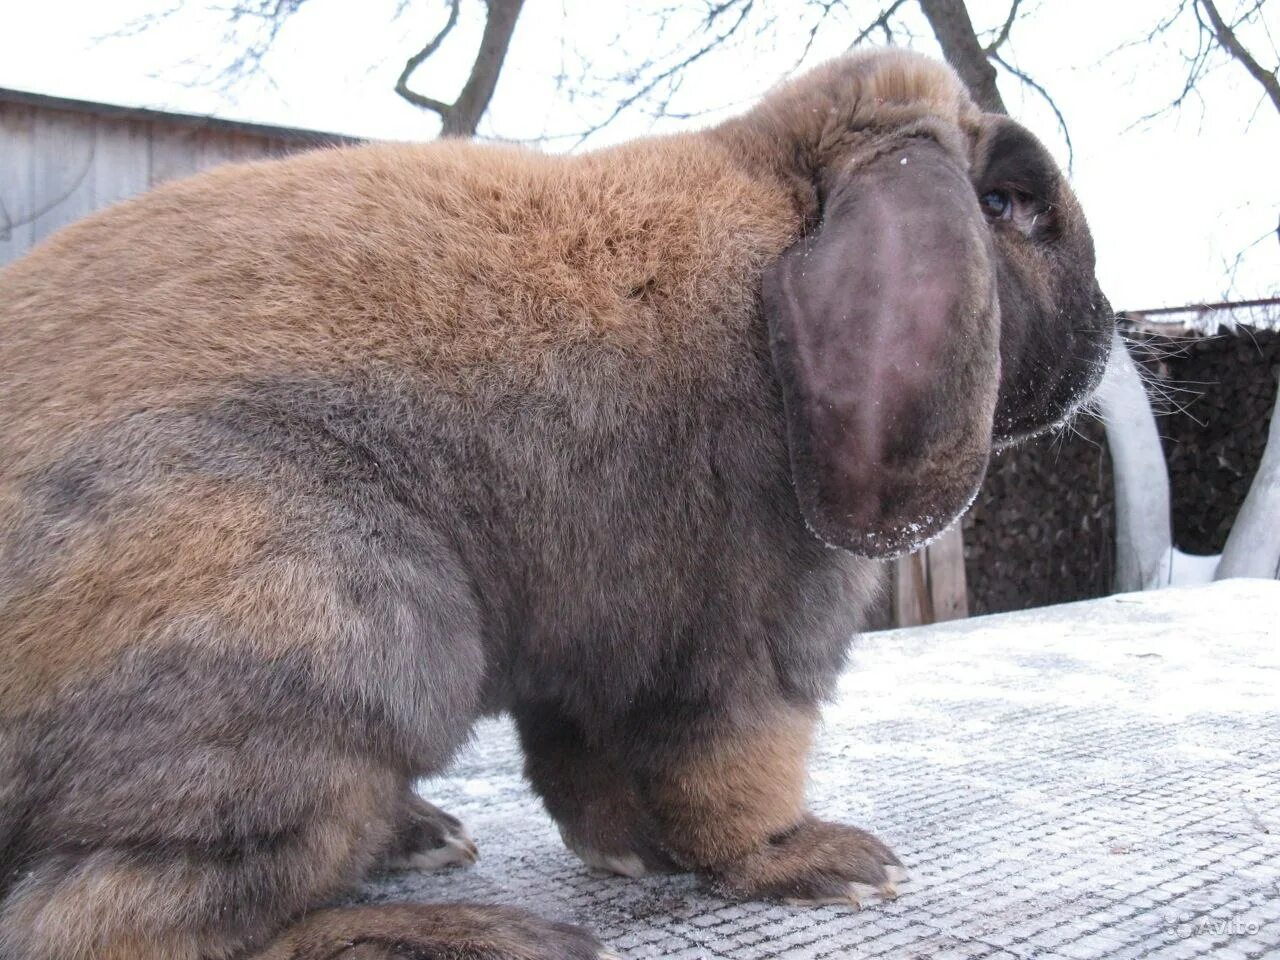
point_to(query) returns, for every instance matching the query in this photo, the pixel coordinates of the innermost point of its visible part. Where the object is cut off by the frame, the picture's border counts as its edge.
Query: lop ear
(884, 328)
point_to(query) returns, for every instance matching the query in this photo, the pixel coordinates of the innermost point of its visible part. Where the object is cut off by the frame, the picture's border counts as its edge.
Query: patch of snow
(1186, 569)
(479, 788)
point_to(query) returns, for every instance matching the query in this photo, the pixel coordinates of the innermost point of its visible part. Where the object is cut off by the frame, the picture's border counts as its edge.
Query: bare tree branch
(266, 18)
(656, 81)
(882, 22)
(879, 23)
(1232, 268)
(827, 6)
(9, 221)
(1030, 82)
(667, 73)
(1003, 35)
(462, 117)
(253, 26)
(1227, 39)
(653, 83)
(954, 30)
(141, 24)
(270, 17)
(412, 64)
(1209, 40)
(974, 63)
(477, 92)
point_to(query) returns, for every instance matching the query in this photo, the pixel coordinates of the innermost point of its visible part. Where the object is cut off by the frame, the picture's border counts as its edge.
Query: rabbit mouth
(1061, 394)
(1080, 402)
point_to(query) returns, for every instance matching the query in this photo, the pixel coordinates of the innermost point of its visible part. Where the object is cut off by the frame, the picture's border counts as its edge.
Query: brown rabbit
(305, 465)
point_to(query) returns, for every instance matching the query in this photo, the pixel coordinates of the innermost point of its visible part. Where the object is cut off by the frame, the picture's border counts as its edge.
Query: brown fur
(305, 465)
(461, 931)
(106, 904)
(601, 251)
(112, 589)
(718, 803)
(813, 862)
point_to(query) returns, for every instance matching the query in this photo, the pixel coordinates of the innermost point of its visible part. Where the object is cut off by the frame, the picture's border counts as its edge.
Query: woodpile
(1042, 529)
(1227, 386)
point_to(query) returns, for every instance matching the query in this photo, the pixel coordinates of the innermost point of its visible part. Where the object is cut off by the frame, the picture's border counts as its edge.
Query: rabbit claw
(817, 863)
(429, 839)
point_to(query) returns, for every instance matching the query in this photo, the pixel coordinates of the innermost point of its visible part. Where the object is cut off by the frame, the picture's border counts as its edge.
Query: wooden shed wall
(58, 165)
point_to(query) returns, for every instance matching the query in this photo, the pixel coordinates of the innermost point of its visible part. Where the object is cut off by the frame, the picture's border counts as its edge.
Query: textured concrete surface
(1093, 780)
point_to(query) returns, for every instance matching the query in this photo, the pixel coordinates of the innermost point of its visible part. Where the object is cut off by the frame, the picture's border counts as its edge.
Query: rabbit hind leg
(427, 838)
(172, 897)
(590, 794)
(403, 931)
(120, 905)
(188, 795)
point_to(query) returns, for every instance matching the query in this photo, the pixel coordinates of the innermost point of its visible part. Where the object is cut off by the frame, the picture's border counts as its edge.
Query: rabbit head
(942, 301)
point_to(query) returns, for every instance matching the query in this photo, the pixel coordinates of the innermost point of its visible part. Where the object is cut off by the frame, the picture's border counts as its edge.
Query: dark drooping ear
(884, 327)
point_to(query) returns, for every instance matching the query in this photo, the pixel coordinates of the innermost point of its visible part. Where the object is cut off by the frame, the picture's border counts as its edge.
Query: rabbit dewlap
(307, 464)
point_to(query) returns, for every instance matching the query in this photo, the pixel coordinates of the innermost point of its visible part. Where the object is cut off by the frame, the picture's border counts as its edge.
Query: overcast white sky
(1172, 200)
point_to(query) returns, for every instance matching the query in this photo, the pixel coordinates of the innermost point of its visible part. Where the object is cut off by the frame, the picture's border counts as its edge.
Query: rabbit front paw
(633, 857)
(815, 862)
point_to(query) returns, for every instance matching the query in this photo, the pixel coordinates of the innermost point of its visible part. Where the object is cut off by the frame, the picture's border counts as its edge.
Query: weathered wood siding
(59, 163)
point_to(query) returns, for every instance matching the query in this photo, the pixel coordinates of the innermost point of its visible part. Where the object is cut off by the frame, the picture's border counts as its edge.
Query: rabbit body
(305, 465)
(293, 474)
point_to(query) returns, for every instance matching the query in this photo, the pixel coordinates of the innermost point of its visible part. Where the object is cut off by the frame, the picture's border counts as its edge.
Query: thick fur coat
(305, 465)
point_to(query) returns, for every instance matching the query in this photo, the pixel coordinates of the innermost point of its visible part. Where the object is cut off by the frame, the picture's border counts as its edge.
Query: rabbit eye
(997, 204)
(1031, 216)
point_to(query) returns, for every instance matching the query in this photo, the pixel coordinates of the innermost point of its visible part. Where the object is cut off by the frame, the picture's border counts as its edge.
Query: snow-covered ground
(1100, 779)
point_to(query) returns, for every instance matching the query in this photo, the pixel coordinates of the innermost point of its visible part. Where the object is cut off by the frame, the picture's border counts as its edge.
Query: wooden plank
(57, 166)
(929, 585)
(122, 163)
(911, 591)
(17, 163)
(947, 586)
(175, 152)
(283, 148)
(214, 148)
(62, 177)
(242, 148)
(268, 131)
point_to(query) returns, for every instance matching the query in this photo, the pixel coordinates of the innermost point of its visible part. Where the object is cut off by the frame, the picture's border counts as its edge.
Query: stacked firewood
(1042, 529)
(1220, 394)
